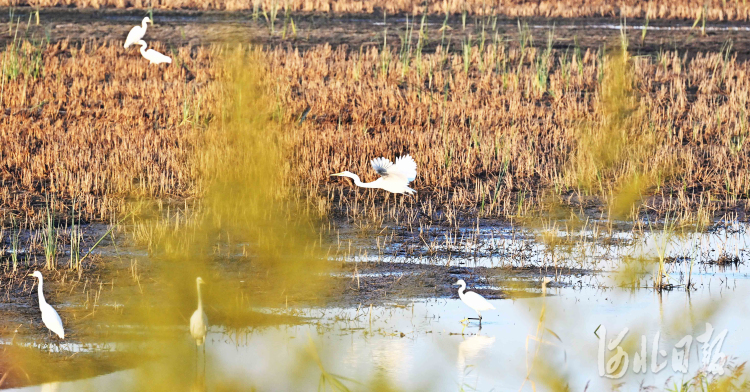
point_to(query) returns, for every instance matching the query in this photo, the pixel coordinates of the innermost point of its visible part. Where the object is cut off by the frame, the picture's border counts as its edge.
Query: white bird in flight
(153, 56)
(473, 300)
(50, 318)
(137, 32)
(394, 177)
(199, 320)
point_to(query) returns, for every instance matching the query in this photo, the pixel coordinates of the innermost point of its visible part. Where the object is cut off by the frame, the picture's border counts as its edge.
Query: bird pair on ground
(136, 37)
(395, 178)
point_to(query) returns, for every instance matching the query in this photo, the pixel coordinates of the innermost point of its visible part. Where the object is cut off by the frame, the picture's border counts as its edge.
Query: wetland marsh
(586, 176)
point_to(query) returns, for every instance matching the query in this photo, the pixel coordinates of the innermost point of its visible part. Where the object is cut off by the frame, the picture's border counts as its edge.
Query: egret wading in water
(153, 56)
(394, 177)
(473, 300)
(137, 32)
(199, 320)
(50, 318)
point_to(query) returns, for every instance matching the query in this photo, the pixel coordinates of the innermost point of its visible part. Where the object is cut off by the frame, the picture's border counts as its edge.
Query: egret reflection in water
(471, 347)
(51, 387)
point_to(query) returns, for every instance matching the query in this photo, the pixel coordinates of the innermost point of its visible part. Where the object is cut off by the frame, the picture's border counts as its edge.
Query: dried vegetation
(498, 129)
(661, 9)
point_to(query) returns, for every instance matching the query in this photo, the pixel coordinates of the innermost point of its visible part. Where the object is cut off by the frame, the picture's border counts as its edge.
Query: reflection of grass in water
(328, 381)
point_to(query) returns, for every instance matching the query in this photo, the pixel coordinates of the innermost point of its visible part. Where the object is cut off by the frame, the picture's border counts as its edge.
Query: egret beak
(337, 174)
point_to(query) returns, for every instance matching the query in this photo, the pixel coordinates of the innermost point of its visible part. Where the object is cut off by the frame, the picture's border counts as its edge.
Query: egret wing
(198, 324)
(382, 166)
(156, 57)
(477, 302)
(406, 166)
(52, 320)
(135, 34)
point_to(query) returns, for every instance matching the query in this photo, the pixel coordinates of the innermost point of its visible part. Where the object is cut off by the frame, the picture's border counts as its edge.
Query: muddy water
(421, 344)
(424, 346)
(591, 249)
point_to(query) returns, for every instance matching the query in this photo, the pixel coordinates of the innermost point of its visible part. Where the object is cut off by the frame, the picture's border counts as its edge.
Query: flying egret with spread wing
(137, 32)
(394, 177)
(50, 318)
(153, 56)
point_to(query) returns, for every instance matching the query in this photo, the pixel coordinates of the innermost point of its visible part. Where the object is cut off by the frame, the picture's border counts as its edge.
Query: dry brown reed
(496, 130)
(490, 134)
(99, 124)
(662, 9)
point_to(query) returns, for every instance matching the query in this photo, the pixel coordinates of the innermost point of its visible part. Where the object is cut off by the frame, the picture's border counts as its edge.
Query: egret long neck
(41, 292)
(200, 300)
(461, 291)
(143, 50)
(361, 184)
(144, 24)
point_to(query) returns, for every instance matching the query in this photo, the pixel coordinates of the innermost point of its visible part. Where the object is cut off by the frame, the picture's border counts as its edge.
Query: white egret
(50, 318)
(394, 177)
(153, 56)
(137, 32)
(473, 300)
(199, 320)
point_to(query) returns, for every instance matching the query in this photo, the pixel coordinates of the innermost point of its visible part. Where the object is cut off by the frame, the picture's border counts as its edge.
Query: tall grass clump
(614, 153)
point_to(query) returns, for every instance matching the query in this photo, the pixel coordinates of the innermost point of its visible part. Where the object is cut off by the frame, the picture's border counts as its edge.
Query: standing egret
(153, 56)
(199, 320)
(394, 177)
(137, 32)
(473, 300)
(50, 318)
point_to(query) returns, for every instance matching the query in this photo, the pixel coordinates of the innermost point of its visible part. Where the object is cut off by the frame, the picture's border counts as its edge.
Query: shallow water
(507, 246)
(424, 346)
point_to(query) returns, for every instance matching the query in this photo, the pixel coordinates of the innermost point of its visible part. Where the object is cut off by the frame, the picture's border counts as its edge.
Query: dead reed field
(97, 125)
(497, 128)
(659, 9)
